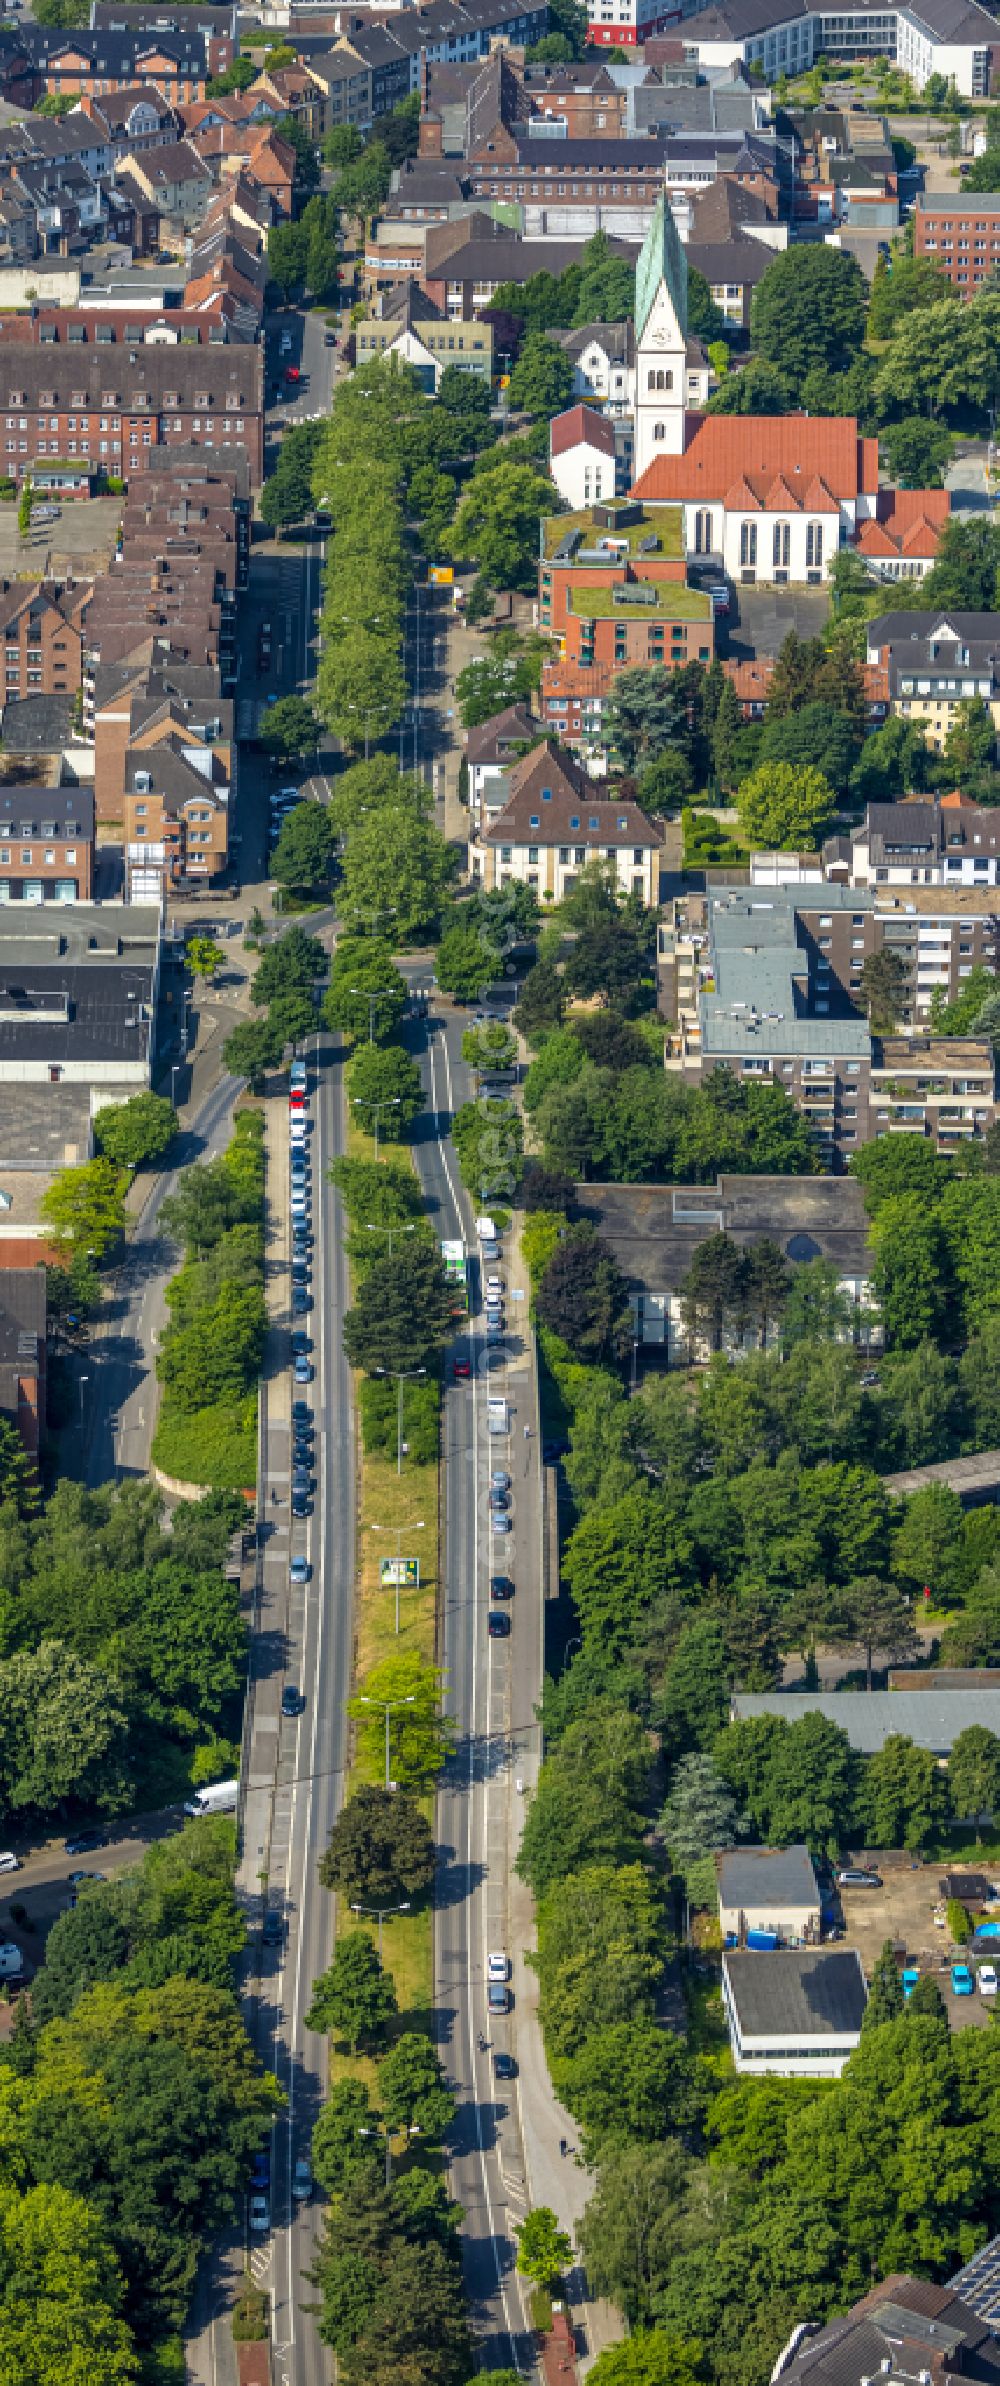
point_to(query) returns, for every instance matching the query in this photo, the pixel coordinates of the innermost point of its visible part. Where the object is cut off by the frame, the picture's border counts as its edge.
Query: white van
(9, 1862)
(219, 1798)
(11, 1960)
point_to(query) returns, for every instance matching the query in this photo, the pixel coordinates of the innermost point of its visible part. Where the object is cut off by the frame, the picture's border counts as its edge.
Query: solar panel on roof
(637, 593)
(649, 546)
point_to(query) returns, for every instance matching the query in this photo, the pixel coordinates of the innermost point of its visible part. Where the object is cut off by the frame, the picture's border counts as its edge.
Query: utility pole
(389, 1704)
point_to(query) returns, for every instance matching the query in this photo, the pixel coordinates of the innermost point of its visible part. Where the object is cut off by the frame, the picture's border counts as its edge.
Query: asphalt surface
(116, 1377)
(491, 1686)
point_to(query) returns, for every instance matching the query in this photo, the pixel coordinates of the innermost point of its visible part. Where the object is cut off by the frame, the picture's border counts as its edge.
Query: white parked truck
(486, 1230)
(497, 1419)
(219, 1798)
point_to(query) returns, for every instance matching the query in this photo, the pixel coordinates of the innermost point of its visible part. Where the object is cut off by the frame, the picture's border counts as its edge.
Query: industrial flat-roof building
(797, 2012)
(931, 1718)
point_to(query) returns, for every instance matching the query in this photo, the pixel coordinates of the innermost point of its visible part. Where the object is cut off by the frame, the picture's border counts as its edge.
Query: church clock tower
(661, 342)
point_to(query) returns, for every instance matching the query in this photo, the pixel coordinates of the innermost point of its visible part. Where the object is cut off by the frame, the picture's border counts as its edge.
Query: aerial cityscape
(499, 1193)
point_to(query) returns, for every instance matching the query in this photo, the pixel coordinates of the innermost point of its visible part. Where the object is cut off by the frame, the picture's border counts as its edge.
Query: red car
(461, 1369)
(297, 1099)
(292, 373)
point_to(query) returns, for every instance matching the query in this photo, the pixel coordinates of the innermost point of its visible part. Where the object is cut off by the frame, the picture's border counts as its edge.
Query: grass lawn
(392, 1500)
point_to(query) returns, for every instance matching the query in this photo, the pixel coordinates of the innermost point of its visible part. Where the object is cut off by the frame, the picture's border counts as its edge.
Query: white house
(797, 2012)
(768, 1888)
(603, 360)
(583, 457)
(553, 823)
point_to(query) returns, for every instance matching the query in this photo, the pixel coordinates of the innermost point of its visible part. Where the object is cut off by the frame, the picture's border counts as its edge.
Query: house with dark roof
(492, 748)
(796, 2012)
(768, 1889)
(905, 2332)
(22, 1352)
(553, 822)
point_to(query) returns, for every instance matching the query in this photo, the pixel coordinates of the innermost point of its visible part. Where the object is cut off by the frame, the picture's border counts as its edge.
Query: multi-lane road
(490, 1692)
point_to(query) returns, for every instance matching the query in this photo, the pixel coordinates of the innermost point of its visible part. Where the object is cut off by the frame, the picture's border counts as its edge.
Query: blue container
(762, 1942)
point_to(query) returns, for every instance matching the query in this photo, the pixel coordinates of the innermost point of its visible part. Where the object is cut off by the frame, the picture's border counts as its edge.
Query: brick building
(961, 231)
(23, 1351)
(47, 60)
(117, 409)
(218, 25)
(46, 844)
(42, 628)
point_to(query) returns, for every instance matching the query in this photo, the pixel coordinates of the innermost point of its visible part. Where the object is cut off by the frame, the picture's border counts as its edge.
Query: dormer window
(78, 398)
(110, 397)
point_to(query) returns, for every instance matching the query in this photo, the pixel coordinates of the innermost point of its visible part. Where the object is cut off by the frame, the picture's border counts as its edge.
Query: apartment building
(42, 628)
(46, 844)
(408, 325)
(177, 810)
(175, 180)
(218, 25)
(769, 985)
(923, 842)
(79, 988)
(936, 662)
(550, 823)
(43, 59)
(115, 411)
(961, 231)
(612, 586)
(953, 38)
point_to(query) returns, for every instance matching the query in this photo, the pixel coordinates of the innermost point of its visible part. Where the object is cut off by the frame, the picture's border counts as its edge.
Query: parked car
(499, 1479)
(299, 1570)
(858, 1876)
(962, 1983)
(273, 1930)
(987, 1980)
(910, 1979)
(260, 2168)
(292, 373)
(302, 1413)
(499, 1500)
(497, 1966)
(300, 1503)
(501, 1586)
(499, 1524)
(83, 1842)
(302, 2179)
(461, 1369)
(504, 2066)
(303, 1371)
(498, 1625)
(292, 1701)
(497, 1996)
(259, 2214)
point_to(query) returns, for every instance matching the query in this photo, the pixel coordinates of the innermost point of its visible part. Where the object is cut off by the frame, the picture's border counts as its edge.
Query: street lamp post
(384, 994)
(84, 1379)
(371, 1911)
(390, 1231)
(399, 1530)
(400, 1377)
(377, 1108)
(174, 1067)
(389, 1704)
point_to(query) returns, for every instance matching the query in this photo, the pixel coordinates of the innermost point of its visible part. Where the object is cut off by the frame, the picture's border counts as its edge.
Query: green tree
(809, 310)
(650, 2357)
(203, 956)
(780, 806)
(583, 1297)
(354, 1997)
(712, 1292)
(384, 1086)
(62, 1729)
(381, 1850)
(466, 962)
(346, 2138)
(542, 379)
(645, 714)
(412, 2089)
(587, 1806)
(303, 856)
(902, 1796)
(633, 2080)
(758, 388)
(885, 1994)
(466, 395)
(367, 995)
(974, 1774)
(489, 1140)
(397, 867)
(250, 1051)
(404, 1311)
(496, 525)
(878, 1615)
(883, 989)
(543, 2249)
(289, 729)
(628, 2233)
(700, 1813)
(135, 1133)
(903, 287)
(85, 1207)
(289, 129)
(541, 1002)
(918, 450)
(419, 1734)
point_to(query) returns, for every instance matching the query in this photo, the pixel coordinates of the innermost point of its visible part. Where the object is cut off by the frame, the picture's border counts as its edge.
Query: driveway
(761, 618)
(965, 479)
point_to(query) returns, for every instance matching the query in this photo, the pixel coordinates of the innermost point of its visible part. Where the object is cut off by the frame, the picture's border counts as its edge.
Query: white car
(494, 1288)
(497, 1966)
(298, 1129)
(987, 1980)
(259, 2215)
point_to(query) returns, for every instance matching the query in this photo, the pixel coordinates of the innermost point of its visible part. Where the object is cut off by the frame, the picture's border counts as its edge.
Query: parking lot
(82, 538)
(902, 1911)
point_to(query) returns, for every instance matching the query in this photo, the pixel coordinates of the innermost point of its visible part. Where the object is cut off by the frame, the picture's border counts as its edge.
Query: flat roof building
(770, 1889)
(795, 2012)
(932, 1719)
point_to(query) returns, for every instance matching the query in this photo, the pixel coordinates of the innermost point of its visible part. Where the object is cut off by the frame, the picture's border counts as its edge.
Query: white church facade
(770, 498)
